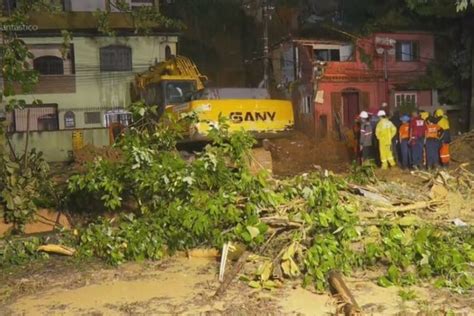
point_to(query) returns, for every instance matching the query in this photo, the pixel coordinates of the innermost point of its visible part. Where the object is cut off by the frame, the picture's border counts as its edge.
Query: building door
(350, 107)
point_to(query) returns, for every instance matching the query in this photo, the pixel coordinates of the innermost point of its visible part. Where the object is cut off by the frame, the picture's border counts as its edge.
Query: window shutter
(364, 100)
(336, 105)
(416, 51)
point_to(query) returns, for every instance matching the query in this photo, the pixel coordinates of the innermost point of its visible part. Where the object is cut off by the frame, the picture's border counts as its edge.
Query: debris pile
(301, 227)
(462, 148)
(440, 197)
(90, 152)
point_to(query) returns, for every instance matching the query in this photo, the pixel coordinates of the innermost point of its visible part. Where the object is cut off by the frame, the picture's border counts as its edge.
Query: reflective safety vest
(404, 131)
(444, 154)
(432, 130)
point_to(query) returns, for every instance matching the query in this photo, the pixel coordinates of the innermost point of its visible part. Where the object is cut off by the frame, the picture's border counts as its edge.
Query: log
(235, 270)
(339, 288)
(410, 207)
(276, 221)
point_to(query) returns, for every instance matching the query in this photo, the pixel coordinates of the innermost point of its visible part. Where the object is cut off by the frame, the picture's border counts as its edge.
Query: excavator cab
(166, 93)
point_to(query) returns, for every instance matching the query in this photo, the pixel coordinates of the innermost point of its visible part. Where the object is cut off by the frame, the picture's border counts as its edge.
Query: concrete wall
(57, 145)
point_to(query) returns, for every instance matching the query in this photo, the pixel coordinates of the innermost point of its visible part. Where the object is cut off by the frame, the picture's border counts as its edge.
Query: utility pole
(266, 61)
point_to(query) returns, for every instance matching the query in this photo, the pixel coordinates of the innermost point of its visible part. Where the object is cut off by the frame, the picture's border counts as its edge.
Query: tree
(24, 177)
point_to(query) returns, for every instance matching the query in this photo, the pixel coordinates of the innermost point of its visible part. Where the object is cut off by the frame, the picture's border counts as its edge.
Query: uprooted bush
(24, 183)
(301, 227)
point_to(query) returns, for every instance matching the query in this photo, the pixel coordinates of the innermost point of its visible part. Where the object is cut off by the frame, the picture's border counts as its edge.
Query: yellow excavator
(177, 87)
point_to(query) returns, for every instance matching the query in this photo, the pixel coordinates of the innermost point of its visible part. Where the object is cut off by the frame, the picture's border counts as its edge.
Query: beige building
(80, 85)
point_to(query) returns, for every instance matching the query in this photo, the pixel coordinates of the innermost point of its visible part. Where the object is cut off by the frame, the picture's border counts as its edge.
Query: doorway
(350, 107)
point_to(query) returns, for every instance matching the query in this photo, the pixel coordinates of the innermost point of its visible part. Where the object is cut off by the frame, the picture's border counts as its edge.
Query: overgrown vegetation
(309, 224)
(24, 182)
(302, 227)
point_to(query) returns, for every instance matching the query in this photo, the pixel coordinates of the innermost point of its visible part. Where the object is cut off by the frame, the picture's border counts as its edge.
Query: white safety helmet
(364, 115)
(381, 113)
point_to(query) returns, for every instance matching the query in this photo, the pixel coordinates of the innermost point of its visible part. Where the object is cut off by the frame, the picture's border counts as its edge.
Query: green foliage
(407, 107)
(20, 186)
(189, 203)
(15, 66)
(16, 252)
(365, 58)
(127, 238)
(213, 199)
(424, 252)
(363, 174)
(407, 295)
(462, 5)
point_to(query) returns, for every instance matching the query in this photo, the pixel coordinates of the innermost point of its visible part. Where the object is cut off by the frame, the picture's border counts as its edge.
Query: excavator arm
(175, 66)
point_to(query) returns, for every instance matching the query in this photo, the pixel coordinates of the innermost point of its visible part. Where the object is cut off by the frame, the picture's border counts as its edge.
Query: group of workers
(416, 141)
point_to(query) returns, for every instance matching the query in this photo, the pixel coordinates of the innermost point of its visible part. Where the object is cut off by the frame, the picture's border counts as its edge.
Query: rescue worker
(395, 119)
(385, 131)
(404, 140)
(374, 120)
(366, 134)
(424, 115)
(356, 131)
(417, 139)
(445, 138)
(432, 142)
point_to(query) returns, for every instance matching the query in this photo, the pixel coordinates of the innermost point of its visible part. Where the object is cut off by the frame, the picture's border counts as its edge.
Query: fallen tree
(310, 224)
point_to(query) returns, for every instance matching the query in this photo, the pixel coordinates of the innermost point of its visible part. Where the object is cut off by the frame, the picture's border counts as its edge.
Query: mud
(298, 153)
(45, 221)
(186, 286)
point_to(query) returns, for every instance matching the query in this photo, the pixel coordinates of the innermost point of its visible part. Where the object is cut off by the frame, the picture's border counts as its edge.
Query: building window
(405, 98)
(39, 118)
(407, 51)
(306, 105)
(69, 120)
(116, 58)
(49, 65)
(327, 54)
(92, 117)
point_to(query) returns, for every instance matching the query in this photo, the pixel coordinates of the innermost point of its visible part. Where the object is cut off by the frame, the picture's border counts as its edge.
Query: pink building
(330, 82)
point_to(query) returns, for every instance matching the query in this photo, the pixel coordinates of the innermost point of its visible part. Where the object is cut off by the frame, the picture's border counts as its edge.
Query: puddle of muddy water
(186, 285)
(175, 286)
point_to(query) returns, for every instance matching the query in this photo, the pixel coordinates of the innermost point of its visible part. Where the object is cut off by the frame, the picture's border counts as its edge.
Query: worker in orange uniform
(385, 131)
(445, 138)
(404, 139)
(432, 142)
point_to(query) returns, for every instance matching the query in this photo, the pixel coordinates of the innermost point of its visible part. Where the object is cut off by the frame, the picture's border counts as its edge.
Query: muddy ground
(186, 285)
(298, 153)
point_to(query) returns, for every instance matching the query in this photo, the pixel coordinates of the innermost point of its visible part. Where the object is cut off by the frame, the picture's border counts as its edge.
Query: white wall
(87, 5)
